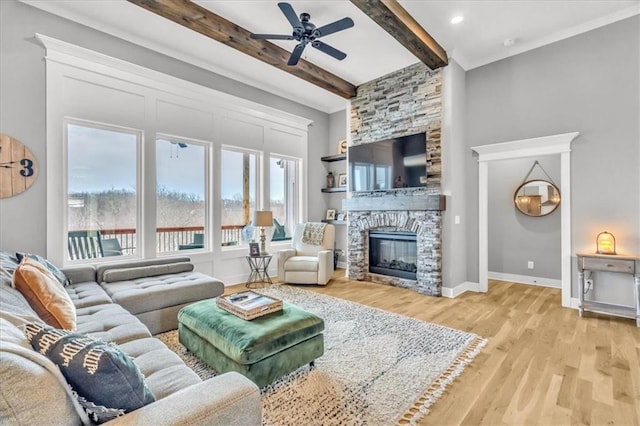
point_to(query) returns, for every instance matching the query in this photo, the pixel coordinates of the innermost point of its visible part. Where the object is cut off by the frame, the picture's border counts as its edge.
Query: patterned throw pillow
(107, 382)
(60, 276)
(8, 264)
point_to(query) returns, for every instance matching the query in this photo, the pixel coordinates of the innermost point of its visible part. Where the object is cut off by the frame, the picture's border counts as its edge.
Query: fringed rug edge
(421, 406)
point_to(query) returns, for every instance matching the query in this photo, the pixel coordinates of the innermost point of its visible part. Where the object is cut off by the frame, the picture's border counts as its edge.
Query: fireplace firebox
(393, 253)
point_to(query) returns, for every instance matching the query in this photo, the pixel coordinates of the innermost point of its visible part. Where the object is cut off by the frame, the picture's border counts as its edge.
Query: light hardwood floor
(543, 364)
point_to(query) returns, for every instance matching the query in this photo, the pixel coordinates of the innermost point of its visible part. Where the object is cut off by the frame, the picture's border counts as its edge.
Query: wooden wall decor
(18, 168)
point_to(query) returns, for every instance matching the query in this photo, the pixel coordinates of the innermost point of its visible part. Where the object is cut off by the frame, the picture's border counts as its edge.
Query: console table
(610, 263)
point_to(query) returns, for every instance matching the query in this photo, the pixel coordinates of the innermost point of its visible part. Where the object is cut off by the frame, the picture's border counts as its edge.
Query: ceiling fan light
(457, 19)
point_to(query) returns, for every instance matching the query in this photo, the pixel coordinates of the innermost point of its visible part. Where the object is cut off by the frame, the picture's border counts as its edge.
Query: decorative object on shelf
(263, 219)
(606, 243)
(18, 169)
(342, 180)
(331, 214)
(342, 146)
(331, 180)
(340, 216)
(537, 197)
(254, 249)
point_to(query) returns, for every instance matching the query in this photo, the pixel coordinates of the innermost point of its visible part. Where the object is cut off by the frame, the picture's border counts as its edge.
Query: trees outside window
(181, 198)
(102, 190)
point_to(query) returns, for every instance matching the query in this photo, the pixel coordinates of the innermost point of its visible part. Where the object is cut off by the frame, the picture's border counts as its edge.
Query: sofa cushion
(110, 323)
(32, 387)
(164, 371)
(101, 269)
(302, 263)
(100, 373)
(153, 293)
(87, 294)
(45, 295)
(13, 302)
(8, 264)
(60, 276)
(127, 274)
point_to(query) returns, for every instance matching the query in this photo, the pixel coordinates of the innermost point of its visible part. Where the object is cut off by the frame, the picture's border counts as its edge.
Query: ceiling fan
(305, 32)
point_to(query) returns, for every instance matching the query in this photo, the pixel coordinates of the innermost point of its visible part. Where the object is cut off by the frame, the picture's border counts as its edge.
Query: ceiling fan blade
(295, 55)
(272, 36)
(329, 50)
(333, 27)
(291, 15)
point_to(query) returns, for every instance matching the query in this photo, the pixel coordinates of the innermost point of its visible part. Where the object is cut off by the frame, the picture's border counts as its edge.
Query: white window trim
(139, 133)
(65, 60)
(208, 195)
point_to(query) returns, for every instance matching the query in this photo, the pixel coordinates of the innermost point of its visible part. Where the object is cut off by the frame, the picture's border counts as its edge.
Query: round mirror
(537, 198)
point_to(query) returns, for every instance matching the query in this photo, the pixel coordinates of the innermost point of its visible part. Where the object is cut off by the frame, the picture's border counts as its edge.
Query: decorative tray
(249, 305)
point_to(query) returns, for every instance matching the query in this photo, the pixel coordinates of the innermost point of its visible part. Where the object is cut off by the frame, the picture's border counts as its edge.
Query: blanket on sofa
(313, 233)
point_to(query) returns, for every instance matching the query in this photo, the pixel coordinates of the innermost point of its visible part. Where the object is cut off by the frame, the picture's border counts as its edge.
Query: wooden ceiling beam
(395, 20)
(207, 23)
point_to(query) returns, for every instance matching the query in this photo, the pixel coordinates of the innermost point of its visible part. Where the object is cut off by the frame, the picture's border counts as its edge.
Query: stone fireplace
(405, 102)
(404, 214)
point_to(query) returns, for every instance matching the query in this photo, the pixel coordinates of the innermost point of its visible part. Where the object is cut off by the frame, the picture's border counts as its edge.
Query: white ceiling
(371, 52)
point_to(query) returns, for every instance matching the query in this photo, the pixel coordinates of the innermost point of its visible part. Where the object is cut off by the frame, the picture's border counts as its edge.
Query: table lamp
(263, 219)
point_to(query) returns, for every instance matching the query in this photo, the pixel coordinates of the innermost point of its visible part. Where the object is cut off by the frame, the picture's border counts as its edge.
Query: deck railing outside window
(170, 238)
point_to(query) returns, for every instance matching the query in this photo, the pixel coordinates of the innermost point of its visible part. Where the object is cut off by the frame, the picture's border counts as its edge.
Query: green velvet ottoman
(263, 349)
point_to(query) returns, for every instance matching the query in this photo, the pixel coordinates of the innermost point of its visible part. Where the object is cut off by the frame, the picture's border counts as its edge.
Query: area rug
(378, 368)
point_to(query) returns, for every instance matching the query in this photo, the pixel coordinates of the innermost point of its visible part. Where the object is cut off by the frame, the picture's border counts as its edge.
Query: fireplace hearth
(393, 253)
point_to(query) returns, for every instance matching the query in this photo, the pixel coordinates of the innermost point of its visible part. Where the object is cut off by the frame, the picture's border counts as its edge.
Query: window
(239, 177)
(283, 195)
(180, 191)
(102, 191)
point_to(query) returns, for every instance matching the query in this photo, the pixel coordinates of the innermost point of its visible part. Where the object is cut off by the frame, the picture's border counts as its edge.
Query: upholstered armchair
(306, 263)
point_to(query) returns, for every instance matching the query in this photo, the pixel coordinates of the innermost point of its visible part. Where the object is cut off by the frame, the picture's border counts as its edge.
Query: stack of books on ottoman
(249, 305)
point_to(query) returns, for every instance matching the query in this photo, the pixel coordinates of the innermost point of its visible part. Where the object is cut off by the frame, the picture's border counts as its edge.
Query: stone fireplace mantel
(416, 212)
(393, 202)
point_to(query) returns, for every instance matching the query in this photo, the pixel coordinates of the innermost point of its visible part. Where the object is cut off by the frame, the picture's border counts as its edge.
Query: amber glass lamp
(606, 243)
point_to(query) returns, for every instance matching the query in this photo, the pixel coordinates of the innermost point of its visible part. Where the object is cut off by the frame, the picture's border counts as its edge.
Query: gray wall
(588, 83)
(22, 108)
(515, 238)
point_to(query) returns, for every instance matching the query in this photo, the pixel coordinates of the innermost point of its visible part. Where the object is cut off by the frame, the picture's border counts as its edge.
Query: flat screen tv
(389, 164)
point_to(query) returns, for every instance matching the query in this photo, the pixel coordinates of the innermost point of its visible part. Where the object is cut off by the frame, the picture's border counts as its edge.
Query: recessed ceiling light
(457, 19)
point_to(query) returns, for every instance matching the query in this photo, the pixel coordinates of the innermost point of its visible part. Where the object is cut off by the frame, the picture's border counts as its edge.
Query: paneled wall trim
(405, 102)
(82, 84)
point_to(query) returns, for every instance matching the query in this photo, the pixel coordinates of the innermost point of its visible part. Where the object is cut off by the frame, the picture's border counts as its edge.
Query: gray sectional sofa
(125, 304)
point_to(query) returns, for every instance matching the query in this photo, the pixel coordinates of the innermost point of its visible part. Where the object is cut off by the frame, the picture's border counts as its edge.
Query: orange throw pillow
(45, 295)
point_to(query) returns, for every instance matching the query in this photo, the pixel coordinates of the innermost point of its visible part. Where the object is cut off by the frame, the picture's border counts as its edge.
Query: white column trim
(533, 147)
(483, 226)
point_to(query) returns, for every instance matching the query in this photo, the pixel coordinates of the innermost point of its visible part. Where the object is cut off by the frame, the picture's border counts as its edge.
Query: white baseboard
(525, 279)
(575, 302)
(456, 291)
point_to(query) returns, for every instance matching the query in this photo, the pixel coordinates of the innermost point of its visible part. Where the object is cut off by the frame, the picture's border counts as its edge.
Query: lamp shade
(263, 218)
